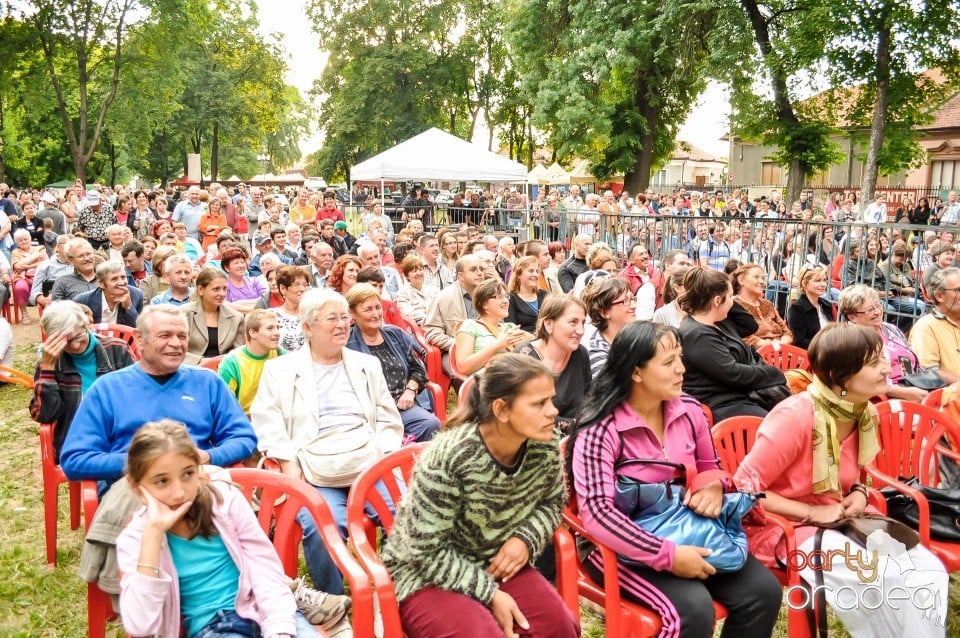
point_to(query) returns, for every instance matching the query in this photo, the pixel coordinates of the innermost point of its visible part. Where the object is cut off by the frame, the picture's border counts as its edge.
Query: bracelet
(412, 389)
(809, 515)
(155, 568)
(857, 487)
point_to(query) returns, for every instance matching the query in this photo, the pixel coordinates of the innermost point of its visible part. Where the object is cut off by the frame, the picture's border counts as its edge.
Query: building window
(771, 174)
(945, 173)
(660, 178)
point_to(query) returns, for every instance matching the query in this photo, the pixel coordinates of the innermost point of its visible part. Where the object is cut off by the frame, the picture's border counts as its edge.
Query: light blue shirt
(167, 297)
(190, 216)
(209, 579)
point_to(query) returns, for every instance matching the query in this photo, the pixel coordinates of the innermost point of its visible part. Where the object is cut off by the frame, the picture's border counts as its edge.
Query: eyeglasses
(78, 338)
(951, 290)
(873, 309)
(626, 301)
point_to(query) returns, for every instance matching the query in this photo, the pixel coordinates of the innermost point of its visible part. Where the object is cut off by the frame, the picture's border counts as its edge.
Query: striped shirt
(463, 505)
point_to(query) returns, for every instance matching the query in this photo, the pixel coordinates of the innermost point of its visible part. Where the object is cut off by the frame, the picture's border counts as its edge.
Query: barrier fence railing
(851, 252)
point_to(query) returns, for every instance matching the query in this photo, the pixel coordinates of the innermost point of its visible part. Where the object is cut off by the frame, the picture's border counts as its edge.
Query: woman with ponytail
(636, 409)
(485, 499)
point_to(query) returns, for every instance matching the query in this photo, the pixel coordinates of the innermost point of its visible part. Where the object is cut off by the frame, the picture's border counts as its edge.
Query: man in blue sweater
(158, 386)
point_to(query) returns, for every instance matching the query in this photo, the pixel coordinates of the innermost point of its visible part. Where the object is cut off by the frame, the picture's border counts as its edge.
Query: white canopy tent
(437, 155)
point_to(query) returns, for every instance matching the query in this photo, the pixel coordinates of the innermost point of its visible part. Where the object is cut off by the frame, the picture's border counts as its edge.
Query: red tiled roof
(687, 151)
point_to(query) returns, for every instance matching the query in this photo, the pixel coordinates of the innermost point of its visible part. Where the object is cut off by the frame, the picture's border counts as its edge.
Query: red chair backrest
(785, 357)
(282, 518)
(123, 333)
(909, 435)
(213, 363)
(934, 399)
(361, 529)
(733, 439)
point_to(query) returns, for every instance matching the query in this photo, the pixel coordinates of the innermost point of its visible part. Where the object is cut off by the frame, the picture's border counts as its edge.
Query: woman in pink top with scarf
(636, 410)
(807, 458)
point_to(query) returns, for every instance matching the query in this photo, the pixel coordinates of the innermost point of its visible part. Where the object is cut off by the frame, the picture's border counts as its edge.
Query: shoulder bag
(659, 509)
(335, 458)
(944, 509)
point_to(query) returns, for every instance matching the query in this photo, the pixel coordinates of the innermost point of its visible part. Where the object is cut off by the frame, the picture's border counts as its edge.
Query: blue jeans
(323, 571)
(419, 423)
(229, 624)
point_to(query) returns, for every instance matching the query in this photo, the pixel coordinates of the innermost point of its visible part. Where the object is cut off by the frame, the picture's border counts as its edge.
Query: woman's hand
(506, 612)
(688, 562)
(826, 513)
(854, 503)
(52, 348)
(159, 515)
(405, 402)
(513, 556)
(707, 501)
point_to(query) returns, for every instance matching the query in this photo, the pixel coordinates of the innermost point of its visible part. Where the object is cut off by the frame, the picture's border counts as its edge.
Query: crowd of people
(617, 338)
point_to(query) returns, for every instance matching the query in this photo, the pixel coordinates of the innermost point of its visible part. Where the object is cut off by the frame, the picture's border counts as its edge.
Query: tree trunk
(3, 164)
(638, 178)
(879, 124)
(215, 151)
(796, 176)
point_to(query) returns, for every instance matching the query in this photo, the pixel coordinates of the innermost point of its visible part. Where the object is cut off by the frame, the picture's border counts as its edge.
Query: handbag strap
(818, 601)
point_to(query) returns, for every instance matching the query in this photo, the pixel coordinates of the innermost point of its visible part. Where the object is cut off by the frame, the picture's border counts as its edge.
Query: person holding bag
(636, 409)
(325, 414)
(807, 458)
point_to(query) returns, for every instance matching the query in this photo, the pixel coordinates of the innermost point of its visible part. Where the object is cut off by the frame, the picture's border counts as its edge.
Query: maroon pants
(436, 613)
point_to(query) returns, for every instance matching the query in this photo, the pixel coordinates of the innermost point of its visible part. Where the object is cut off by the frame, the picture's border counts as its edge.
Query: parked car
(315, 184)
(443, 197)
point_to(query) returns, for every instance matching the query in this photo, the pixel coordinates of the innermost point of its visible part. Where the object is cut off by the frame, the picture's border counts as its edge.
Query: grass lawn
(36, 601)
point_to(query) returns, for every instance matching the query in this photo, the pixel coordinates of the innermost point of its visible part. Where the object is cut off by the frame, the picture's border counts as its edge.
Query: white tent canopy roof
(437, 155)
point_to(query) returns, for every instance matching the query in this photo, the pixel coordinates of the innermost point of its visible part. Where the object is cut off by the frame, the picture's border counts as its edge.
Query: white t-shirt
(339, 407)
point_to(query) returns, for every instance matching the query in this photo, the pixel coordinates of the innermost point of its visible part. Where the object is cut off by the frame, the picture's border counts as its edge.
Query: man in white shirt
(951, 212)
(369, 254)
(876, 212)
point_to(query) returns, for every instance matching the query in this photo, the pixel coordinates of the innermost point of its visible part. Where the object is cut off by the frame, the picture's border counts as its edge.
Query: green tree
(81, 42)
(783, 39)
(391, 74)
(612, 81)
(881, 46)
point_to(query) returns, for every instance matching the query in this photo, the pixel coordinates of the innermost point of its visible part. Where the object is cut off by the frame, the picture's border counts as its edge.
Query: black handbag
(769, 396)
(944, 509)
(926, 380)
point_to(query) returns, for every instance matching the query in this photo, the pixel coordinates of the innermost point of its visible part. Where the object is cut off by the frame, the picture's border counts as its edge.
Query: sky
(287, 20)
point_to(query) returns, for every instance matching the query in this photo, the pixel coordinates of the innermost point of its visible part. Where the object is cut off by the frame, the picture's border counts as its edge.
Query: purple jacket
(151, 606)
(686, 440)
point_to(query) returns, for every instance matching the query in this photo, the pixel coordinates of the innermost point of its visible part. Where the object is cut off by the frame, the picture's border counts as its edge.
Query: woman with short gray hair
(860, 304)
(72, 357)
(319, 398)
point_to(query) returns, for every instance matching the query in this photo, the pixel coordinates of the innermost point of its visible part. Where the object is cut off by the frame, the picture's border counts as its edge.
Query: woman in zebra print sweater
(485, 500)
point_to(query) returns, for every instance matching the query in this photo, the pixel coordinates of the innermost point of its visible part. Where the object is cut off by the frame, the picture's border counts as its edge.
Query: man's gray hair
(938, 282)
(76, 242)
(63, 316)
(107, 268)
(144, 323)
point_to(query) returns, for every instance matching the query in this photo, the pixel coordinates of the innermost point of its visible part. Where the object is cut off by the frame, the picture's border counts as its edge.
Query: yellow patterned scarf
(827, 409)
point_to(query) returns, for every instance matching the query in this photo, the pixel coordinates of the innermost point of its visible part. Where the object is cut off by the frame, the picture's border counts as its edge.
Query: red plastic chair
(363, 532)
(733, 438)
(125, 333)
(213, 363)
(624, 619)
(99, 608)
(282, 519)
(52, 477)
(16, 377)
(785, 357)
(934, 399)
(707, 412)
(910, 445)
(434, 360)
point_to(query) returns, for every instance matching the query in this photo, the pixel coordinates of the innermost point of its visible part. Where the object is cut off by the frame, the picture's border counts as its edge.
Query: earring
(843, 392)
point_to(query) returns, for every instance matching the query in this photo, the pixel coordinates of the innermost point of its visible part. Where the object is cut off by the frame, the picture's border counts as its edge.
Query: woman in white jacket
(325, 414)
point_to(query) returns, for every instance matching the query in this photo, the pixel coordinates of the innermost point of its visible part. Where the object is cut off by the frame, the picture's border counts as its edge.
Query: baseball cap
(260, 240)
(48, 198)
(340, 225)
